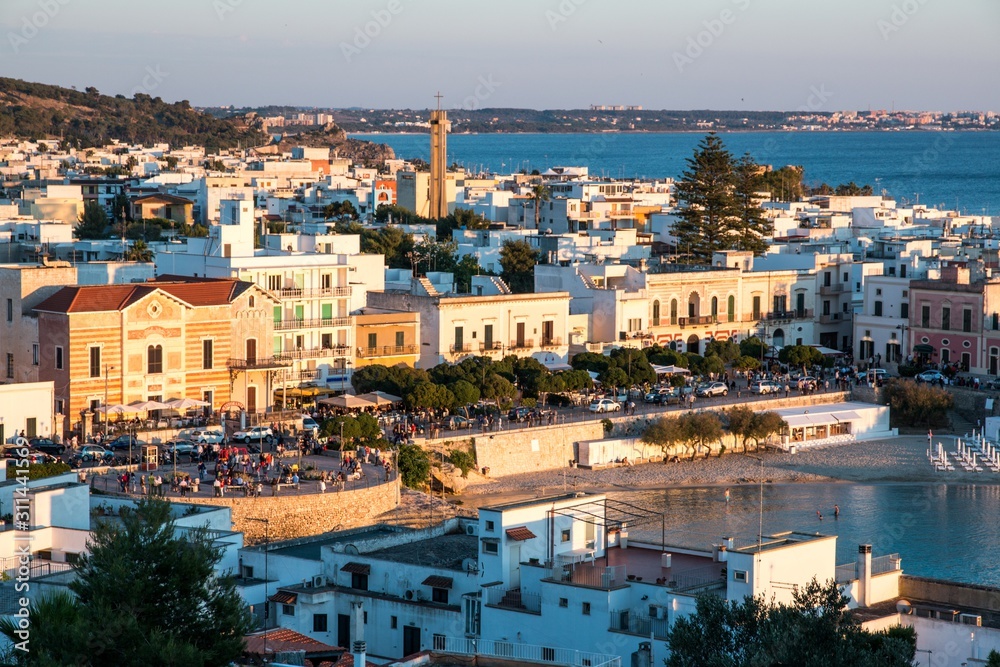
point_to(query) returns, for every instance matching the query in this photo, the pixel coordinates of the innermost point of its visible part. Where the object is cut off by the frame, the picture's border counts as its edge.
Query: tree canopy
(517, 263)
(145, 595)
(93, 222)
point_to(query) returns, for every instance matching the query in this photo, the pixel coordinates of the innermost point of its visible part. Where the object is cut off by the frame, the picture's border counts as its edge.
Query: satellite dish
(351, 550)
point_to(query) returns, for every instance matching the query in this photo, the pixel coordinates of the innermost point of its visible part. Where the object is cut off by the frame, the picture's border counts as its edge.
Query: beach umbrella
(146, 406)
(347, 401)
(380, 398)
(113, 409)
(185, 403)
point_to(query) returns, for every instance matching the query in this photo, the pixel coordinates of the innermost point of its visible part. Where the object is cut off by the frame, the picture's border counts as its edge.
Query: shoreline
(900, 460)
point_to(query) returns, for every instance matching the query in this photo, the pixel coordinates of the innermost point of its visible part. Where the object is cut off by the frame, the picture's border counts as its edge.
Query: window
(925, 316)
(364, 618)
(372, 340)
(401, 336)
(288, 610)
(34, 353)
(586, 609)
(251, 301)
(491, 548)
(359, 581)
(95, 362)
(731, 308)
(154, 359)
(904, 311)
(739, 575)
(248, 572)
(878, 292)
(967, 320)
(656, 313)
(393, 622)
(439, 595)
(946, 318)
(319, 622)
(326, 281)
(59, 358)
(327, 341)
(673, 311)
(459, 338)
(715, 306)
(207, 354)
(61, 406)
(10, 310)
(489, 526)
(274, 283)
(10, 366)
(566, 536)
(878, 309)
(564, 602)
(756, 308)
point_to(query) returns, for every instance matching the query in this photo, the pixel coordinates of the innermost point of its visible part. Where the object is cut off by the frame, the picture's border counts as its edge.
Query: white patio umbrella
(116, 409)
(380, 398)
(185, 403)
(146, 406)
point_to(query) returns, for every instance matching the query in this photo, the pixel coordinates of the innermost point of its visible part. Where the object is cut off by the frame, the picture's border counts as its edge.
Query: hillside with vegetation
(85, 119)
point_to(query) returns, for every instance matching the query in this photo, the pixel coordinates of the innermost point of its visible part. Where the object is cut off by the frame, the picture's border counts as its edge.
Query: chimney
(864, 571)
(358, 648)
(358, 652)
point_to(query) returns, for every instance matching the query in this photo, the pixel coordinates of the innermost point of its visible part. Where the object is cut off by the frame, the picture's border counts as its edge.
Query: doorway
(343, 630)
(692, 344)
(515, 565)
(411, 640)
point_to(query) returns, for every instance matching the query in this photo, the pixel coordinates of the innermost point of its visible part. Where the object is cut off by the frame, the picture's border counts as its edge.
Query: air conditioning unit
(472, 529)
(420, 595)
(319, 581)
(408, 595)
(970, 619)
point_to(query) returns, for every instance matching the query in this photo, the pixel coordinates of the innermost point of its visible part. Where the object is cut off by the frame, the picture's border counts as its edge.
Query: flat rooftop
(313, 549)
(446, 551)
(780, 540)
(545, 500)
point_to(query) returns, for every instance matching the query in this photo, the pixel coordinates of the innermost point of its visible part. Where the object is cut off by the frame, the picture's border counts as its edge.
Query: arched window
(731, 308)
(154, 359)
(673, 311)
(715, 306)
(656, 313)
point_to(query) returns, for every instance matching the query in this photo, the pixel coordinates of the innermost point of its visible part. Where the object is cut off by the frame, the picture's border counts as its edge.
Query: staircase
(960, 425)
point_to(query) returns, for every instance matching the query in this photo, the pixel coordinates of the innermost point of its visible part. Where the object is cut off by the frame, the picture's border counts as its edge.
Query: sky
(662, 54)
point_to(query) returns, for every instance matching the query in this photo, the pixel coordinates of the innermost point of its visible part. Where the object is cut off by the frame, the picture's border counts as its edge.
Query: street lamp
(107, 368)
(267, 545)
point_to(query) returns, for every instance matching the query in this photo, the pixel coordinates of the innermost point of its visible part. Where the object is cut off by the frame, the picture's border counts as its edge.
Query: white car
(932, 376)
(310, 425)
(712, 389)
(254, 434)
(209, 436)
(605, 405)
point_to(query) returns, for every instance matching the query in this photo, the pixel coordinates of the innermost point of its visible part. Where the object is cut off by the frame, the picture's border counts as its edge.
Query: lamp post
(902, 341)
(760, 525)
(267, 545)
(107, 368)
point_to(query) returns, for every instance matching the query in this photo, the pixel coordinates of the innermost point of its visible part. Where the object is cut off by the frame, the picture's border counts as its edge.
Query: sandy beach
(901, 459)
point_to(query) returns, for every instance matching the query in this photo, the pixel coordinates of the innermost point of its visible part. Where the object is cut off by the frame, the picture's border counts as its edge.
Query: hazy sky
(673, 54)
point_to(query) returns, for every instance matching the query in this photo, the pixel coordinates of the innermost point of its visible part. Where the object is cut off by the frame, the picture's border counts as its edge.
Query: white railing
(846, 573)
(884, 564)
(527, 652)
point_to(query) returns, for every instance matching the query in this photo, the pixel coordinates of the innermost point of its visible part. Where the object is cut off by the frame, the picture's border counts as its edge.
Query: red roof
(520, 534)
(103, 298)
(284, 597)
(283, 639)
(357, 568)
(435, 581)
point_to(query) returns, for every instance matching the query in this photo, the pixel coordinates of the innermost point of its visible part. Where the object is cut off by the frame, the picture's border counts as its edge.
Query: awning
(284, 597)
(347, 401)
(798, 421)
(665, 370)
(557, 365)
(357, 568)
(435, 581)
(826, 351)
(520, 534)
(923, 348)
(848, 416)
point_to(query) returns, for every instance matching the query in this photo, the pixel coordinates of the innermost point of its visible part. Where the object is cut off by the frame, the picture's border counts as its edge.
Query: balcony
(787, 315)
(590, 576)
(631, 622)
(289, 325)
(699, 320)
(835, 318)
(516, 652)
(514, 599)
(386, 351)
(491, 346)
(835, 288)
(265, 363)
(460, 348)
(314, 353)
(310, 293)
(551, 342)
(526, 344)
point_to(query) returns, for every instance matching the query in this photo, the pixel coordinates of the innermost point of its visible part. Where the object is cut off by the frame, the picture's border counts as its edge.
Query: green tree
(391, 242)
(784, 184)
(590, 361)
(173, 610)
(171, 162)
(466, 267)
(701, 428)
(138, 252)
(803, 356)
(613, 378)
(993, 659)
(917, 404)
(398, 215)
(93, 222)
(121, 208)
(465, 392)
(752, 347)
(517, 263)
(750, 426)
(666, 433)
(726, 350)
(538, 194)
(751, 228)
(498, 388)
(746, 363)
(414, 466)
(708, 210)
(635, 364)
(430, 396)
(815, 629)
(340, 210)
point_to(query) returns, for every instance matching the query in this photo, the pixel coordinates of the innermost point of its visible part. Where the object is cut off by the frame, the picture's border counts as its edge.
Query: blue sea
(942, 531)
(957, 170)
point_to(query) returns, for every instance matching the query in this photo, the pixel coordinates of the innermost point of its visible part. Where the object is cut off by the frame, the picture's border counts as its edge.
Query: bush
(39, 470)
(414, 466)
(529, 402)
(907, 371)
(609, 426)
(462, 459)
(917, 404)
(558, 400)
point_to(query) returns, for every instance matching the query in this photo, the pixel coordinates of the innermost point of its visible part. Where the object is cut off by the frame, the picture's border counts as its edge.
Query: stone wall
(952, 594)
(533, 450)
(971, 404)
(294, 515)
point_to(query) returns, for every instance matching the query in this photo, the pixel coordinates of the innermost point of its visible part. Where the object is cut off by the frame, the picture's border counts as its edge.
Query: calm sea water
(959, 170)
(944, 531)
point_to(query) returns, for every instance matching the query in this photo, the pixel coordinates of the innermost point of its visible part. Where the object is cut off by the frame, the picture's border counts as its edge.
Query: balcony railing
(835, 288)
(257, 364)
(884, 564)
(518, 652)
(834, 318)
(314, 353)
(700, 320)
(786, 315)
(628, 620)
(386, 350)
(308, 293)
(514, 599)
(459, 349)
(287, 325)
(526, 344)
(592, 577)
(551, 342)
(492, 346)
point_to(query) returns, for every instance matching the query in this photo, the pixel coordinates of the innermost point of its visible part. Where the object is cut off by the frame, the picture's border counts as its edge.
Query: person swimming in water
(836, 511)
(818, 515)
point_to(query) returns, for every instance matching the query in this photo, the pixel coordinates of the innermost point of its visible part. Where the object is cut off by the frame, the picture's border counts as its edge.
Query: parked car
(254, 434)
(932, 376)
(763, 387)
(456, 423)
(605, 405)
(518, 414)
(31, 455)
(712, 389)
(208, 436)
(92, 453)
(126, 442)
(47, 445)
(179, 447)
(310, 425)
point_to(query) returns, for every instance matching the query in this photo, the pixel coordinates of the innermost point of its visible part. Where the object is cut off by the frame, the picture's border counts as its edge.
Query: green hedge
(38, 470)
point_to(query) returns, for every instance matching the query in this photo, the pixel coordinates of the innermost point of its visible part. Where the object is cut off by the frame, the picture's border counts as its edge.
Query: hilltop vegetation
(86, 119)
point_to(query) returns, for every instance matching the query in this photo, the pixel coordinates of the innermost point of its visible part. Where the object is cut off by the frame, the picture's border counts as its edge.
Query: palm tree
(139, 252)
(539, 193)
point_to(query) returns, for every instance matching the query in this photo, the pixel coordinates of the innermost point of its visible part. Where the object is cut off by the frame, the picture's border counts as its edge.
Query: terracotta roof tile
(357, 568)
(284, 597)
(283, 639)
(520, 534)
(435, 581)
(100, 298)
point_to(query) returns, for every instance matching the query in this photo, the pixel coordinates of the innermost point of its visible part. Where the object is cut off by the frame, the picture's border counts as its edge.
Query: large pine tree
(716, 208)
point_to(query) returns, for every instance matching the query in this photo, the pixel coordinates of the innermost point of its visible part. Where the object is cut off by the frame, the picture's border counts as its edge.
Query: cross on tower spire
(439, 96)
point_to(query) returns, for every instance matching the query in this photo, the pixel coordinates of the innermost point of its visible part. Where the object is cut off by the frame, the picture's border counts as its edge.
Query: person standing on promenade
(727, 496)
